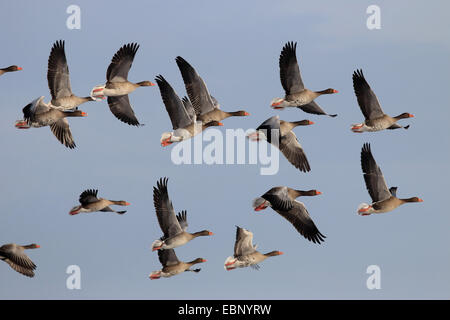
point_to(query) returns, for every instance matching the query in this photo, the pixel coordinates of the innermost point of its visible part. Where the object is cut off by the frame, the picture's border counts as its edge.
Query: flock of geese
(189, 116)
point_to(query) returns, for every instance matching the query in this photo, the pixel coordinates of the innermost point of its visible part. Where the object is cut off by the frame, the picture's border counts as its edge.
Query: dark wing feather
(271, 129)
(167, 257)
(17, 259)
(195, 88)
(293, 151)
(189, 108)
(299, 217)
(61, 130)
(278, 198)
(174, 106)
(121, 63)
(121, 108)
(164, 210)
(290, 77)
(58, 72)
(182, 219)
(375, 183)
(88, 196)
(20, 269)
(367, 100)
(314, 108)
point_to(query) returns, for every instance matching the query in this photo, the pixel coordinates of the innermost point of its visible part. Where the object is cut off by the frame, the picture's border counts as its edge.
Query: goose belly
(174, 242)
(299, 99)
(379, 124)
(118, 89)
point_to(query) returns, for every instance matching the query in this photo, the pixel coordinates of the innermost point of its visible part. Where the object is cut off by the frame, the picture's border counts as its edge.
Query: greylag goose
(245, 253)
(59, 80)
(296, 95)
(90, 203)
(14, 255)
(383, 199)
(279, 133)
(375, 118)
(182, 115)
(206, 107)
(118, 87)
(172, 266)
(173, 226)
(283, 201)
(10, 69)
(39, 114)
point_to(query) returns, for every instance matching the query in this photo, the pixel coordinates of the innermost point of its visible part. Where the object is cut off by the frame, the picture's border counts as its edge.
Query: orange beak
(276, 103)
(220, 124)
(260, 207)
(364, 209)
(210, 233)
(127, 203)
(335, 91)
(420, 200)
(318, 192)
(310, 122)
(203, 260)
(280, 253)
(246, 114)
(411, 115)
(83, 114)
(19, 68)
(37, 246)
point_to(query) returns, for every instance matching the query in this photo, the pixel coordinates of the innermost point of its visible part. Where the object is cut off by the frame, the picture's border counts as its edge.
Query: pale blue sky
(235, 46)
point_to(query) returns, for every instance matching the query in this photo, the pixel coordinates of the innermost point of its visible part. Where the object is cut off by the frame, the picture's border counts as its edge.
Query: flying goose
(375, 118)
(279, 133)
(172, 266)
(206, 107)
(173, 226)
(245, 253)
(59, 80)
(296, 95)
(283, 201)
(39, 114)
(14, 255)
(90, 203)
(118, 87)
(383, 199)
(182, 115)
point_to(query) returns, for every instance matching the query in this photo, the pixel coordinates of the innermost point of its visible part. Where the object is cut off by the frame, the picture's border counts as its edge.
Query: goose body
(383, 199)
(206, 107)
(59, 80)
(14, 255)
(40, 114)
(91, 203)
(296, 95)
(173, 226)
(171, 266)
(375, 118)
(118, 87)
(279, 133)
(283, 201)
(182, 115)
(245, 253)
